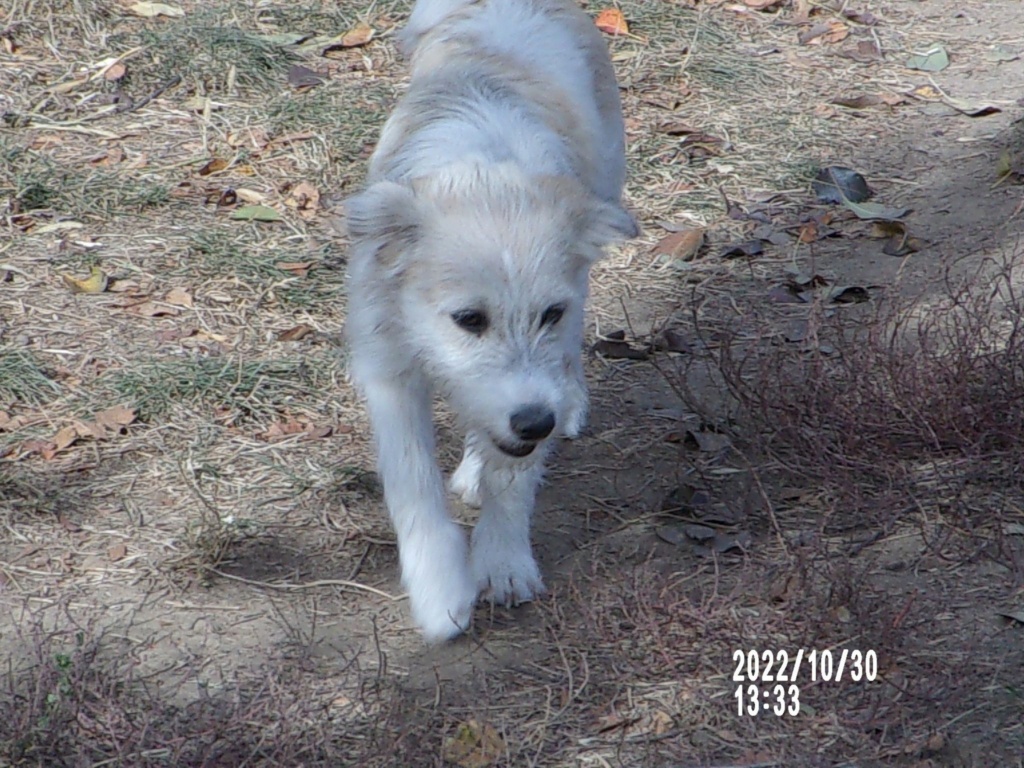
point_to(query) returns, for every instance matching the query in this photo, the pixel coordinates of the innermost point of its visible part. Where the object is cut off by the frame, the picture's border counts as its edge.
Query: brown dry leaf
(305, 199)
(115, 419)
(65, 438)
(179, 297)
(360, 34)
(474, 745)
(831, 32)
(612, 22)
(808, 232)
(117, 551)
(682, 245)
(215, 165)
(115, 71)
(865, 51)
(151, 309)
(858, 101)
(676, 128)
(297, 268)
(296, 333)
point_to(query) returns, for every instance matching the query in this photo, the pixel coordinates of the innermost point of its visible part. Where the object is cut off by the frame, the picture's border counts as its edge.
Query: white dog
(494, 187)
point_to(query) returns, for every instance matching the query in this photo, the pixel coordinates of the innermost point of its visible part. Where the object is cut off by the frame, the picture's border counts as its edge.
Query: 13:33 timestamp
(778, 700)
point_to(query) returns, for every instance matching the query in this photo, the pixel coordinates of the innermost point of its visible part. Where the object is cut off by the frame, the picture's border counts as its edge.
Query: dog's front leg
(431, 547)
(465, 482)
(501, 557)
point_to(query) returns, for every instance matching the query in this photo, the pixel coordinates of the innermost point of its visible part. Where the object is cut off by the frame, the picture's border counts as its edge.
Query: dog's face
(488, 276)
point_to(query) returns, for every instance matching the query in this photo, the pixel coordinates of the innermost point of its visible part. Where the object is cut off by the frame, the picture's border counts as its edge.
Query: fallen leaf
(865, 51)
(680, 246)
(115, 71)
(96, 282)
(250, 196)
(305, 199)
(702, 145)
(830, 32)
(296, 333)
(737, 250)
(875, 210)
(787, 294)
(859, 101)
(285, 39)
(612, 22)
(926, 92)
(303, 78)
(57, 226)
(215, 165)
(64, 438)
(117, 551)
(360, 34)
(934, 59)
(672, 341)
(474, 745)
(971, 109)
(618, 349)
(836, 184)
(675, 128)
(151, 10)
(849, 294)
(1000, 54)
(151, 309)
(866, 18)
(256, 213)
(179, 297)
(298, 268)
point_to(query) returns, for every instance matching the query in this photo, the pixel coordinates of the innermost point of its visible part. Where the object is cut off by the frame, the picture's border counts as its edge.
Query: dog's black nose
(532, 422)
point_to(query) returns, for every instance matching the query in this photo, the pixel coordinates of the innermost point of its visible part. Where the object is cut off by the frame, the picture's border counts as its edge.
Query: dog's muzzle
(516, 450)
(531, 424)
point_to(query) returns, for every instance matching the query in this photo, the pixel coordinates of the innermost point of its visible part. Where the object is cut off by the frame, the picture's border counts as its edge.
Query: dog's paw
(506, 576)
(465, 482)
(575, 423)
(441, 587)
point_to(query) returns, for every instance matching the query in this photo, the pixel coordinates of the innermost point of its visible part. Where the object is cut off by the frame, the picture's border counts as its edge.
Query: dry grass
(216, 584)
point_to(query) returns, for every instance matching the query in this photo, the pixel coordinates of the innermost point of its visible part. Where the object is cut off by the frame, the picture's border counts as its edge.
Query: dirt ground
(195, 562)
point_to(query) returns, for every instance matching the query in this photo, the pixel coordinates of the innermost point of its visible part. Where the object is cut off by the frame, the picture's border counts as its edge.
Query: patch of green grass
(35, 182)
(248, 390)
(686, 41)
(23, 378)
(209, 49)
(347, 117)
(245, 253)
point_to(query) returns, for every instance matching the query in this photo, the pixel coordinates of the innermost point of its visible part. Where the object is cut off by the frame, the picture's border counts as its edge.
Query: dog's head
(484, 276)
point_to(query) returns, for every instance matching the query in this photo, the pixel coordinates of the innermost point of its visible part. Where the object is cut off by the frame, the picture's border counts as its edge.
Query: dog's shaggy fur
(494, 187)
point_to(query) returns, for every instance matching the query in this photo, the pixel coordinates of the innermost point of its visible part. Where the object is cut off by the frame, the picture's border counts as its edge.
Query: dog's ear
(604, 223)
(385, 213)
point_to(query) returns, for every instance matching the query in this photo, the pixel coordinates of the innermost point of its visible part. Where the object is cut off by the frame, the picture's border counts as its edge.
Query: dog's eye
(472, 320)
(552, 315)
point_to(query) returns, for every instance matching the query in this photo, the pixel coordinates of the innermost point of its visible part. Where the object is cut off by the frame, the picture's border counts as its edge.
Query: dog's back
(550, 51)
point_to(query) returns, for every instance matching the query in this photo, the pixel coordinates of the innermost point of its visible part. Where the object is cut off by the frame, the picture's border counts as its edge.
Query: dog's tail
(425, 15)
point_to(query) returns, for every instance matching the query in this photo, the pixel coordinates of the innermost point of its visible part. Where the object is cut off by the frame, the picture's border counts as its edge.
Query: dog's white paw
(441, 587)
(575, 422)
(465, 482)
(505, 575)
